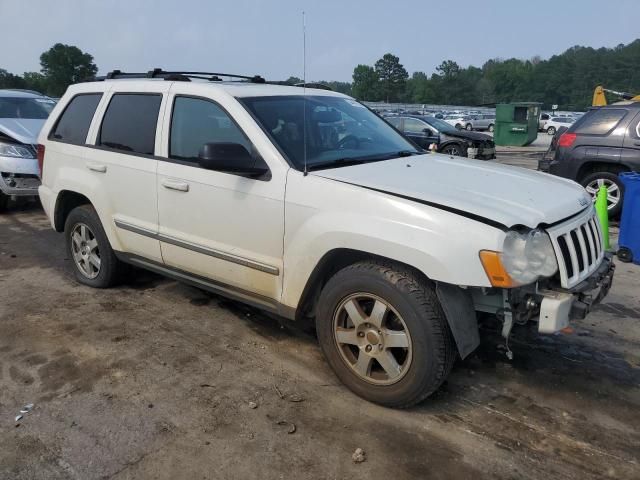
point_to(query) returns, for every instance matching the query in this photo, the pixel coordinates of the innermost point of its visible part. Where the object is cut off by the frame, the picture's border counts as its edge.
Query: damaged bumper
(558, 307)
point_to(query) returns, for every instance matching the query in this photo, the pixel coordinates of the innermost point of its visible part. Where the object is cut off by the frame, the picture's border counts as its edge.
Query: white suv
(305, 203)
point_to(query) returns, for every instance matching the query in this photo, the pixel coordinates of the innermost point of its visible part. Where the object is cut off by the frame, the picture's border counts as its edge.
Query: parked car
(458, 121)
(484, 121)
(308, 205)
(552, 125)
(602, 143)
(425, 131)
(22, 114)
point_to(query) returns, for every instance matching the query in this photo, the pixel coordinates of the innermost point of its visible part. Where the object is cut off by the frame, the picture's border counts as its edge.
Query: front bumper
(19, 176)
(484, 153)
(559, 306)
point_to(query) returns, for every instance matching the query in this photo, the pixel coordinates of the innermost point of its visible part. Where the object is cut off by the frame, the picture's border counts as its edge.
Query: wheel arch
(66, 201)
(590, 167)
(456, 303)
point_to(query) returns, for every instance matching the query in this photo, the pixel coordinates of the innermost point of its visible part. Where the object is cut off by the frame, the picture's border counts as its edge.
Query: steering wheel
(349, 138)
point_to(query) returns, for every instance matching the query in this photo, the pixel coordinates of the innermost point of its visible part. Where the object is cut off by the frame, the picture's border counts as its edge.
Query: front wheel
(469, 127)
(551, 131)
(384, 334)
(491, 128)
(95, 263)
(454, 149)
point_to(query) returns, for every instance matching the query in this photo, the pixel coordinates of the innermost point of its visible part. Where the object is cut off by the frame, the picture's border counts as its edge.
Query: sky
(265, 37)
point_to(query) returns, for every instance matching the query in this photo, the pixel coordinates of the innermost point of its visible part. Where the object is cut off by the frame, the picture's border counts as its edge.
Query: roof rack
(179, 76)
(183, 76)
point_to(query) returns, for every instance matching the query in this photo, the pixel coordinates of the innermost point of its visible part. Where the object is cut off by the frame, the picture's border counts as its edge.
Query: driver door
(225, 228)
(415, 130)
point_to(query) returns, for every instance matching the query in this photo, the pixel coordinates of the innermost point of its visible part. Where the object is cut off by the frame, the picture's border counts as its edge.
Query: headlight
(525, 257)
(15, 150)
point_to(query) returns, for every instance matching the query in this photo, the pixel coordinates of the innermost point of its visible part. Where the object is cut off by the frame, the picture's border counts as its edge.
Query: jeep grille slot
(578, 247)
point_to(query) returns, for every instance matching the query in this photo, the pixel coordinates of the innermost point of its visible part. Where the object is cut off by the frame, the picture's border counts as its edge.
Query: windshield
(338, 130)
(440, 125)
(28, 108)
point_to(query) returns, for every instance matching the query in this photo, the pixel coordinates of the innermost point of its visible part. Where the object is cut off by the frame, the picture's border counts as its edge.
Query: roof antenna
(304, 91)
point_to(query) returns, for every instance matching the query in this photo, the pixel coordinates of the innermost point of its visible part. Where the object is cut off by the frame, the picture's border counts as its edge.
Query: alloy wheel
(85, 251)
(613, 191)
(372, 338)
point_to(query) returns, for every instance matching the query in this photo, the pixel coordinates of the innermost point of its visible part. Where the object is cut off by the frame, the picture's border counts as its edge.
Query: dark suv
(601, 144)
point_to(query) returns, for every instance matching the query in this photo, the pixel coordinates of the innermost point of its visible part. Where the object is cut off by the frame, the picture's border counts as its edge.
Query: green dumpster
(516, 123)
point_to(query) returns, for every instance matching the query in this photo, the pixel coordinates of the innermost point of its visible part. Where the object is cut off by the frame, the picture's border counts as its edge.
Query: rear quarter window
(129, 124)
(73, 124)
(599, 122)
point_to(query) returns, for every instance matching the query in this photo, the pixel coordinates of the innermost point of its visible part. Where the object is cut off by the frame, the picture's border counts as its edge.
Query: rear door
(630, 155)
(122, 159)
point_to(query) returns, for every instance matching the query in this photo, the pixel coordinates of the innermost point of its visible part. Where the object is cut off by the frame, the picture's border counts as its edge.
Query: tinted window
(195, 122)
(411, 125)
(73, 124)
(129, 123)
(599, 122)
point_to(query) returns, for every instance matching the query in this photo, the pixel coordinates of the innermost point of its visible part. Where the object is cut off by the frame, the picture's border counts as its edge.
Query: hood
(24, 130)
(501, 194)
(466, 134)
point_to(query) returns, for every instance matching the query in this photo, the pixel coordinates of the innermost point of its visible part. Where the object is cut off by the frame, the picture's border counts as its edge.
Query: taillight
(40, 158)
(567, 139)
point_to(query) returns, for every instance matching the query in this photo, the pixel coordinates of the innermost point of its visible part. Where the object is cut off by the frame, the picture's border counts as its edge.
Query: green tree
(35, 81)
(63, 65)
(392, 75)
(9, 80)
(365, 83)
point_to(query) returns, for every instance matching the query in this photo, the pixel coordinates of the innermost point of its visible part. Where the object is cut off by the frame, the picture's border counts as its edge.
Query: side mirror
(231, 158)
(428, 132)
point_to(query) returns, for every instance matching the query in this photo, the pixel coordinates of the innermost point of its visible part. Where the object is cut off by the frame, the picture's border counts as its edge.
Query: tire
(454, 149)
(4, 202)
(491, 128)
(84, 222)
(468, 127)
(458, 126)
(551, 131)
(411, 303)
(609, 179)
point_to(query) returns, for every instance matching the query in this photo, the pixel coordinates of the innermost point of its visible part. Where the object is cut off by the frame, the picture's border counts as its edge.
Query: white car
(304, 203)
(461, 122)
(552, 125)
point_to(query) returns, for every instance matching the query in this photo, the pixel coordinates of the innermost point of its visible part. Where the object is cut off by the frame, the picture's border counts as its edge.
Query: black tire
(468, 127)
(110, 267)
(491, 127)
(551, 131)
(458, 126)
(432, 347)
(4, 202)
(454, 149)
(625, 255)
(614, 210)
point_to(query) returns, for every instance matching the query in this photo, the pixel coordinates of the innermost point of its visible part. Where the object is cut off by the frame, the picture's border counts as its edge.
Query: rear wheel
(491, 128)
(614, 186)
(384, 334)
(95, 263)
(4, 202)
(551, 130)
(469, 127)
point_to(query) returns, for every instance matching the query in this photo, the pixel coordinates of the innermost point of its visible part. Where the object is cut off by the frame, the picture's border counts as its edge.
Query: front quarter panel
(323, 215)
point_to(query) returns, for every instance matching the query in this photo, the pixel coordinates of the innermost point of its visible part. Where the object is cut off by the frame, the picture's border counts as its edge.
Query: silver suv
(22, 115)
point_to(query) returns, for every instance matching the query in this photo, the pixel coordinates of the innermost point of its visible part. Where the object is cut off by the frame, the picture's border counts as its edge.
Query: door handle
(179, 186)
(94, 167)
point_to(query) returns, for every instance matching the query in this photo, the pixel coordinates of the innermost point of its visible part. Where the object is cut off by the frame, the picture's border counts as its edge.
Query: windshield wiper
(345, 162)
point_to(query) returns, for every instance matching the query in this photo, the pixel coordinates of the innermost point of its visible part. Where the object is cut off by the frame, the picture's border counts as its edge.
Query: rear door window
(129, 124)
(599, 122)
(73, 124)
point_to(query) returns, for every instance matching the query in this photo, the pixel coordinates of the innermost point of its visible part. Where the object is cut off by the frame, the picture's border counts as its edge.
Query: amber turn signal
(494, 269)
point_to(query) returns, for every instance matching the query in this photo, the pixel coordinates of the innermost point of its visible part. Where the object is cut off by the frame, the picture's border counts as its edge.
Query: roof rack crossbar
(159, 73)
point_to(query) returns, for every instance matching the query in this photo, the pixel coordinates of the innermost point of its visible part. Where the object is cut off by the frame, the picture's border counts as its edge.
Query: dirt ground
(155, 379)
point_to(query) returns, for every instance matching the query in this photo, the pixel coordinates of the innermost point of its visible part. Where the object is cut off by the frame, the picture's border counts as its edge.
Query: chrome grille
(579, 247)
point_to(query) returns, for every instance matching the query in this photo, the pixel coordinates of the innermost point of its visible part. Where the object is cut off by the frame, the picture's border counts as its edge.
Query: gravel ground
(155, 379)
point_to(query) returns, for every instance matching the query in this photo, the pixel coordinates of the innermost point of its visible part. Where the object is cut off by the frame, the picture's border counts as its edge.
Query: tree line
(566, 80)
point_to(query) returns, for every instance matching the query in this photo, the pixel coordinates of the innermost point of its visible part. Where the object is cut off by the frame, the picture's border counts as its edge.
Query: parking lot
(155, 379)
